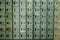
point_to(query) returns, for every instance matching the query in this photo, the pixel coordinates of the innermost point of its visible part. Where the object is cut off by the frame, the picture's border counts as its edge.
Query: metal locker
(57, 20)
(16, 36)
(27, 19)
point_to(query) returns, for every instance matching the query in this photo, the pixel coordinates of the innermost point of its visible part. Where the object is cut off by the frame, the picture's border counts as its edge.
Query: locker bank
(27, 19)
